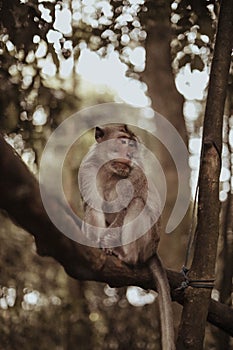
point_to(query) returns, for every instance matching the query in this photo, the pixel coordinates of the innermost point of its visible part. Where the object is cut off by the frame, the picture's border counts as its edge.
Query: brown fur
(142, 249)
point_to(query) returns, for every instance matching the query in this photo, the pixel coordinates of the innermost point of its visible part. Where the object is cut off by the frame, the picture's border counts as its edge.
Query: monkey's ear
(99, 134)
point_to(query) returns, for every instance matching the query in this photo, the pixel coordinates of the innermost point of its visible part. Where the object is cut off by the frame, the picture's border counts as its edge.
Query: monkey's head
(121, 151)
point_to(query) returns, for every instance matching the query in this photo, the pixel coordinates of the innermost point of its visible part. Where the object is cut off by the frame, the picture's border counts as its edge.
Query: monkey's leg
(113, 237)
(93, 224)
(130, 252)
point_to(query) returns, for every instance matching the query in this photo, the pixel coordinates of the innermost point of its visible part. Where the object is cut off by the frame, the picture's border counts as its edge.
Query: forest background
(57, 57)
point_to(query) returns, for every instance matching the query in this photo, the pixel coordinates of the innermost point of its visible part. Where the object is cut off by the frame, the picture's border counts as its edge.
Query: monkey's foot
(108, 251)
(117, 251)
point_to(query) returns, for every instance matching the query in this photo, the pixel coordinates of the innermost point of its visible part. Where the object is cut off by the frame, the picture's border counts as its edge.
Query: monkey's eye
(124, 141)
(132, 143)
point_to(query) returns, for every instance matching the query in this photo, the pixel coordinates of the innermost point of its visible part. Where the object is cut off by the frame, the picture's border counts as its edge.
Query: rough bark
(20, 197)
(225, 269)
(196, 302)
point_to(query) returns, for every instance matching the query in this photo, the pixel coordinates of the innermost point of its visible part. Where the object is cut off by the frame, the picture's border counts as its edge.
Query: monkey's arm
(114, 241)
(112, 238)
(141, 247)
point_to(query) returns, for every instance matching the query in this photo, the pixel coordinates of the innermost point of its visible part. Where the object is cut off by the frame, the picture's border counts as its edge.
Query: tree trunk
(192, 328)
(159, 77)
(225, 269)
(166, 100)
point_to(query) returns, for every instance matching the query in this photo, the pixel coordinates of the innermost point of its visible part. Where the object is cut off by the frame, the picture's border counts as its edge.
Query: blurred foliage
(24, 87)
(194, 23)
(26, 47)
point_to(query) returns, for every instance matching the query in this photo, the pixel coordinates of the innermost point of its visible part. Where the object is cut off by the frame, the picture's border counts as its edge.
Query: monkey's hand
(108, 251)
(116, 251)
(110, 240)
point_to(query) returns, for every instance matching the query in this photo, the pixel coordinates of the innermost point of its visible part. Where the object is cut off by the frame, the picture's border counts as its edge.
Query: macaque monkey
(116, 161)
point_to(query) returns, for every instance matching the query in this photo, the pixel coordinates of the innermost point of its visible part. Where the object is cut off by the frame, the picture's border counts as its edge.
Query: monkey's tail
(165, 303)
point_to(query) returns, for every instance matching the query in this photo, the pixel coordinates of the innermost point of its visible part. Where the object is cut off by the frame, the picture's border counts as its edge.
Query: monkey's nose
(128, 155)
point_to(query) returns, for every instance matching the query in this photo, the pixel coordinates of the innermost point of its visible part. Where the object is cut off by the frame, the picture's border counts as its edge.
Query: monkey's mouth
(123, 161)
(121, 167)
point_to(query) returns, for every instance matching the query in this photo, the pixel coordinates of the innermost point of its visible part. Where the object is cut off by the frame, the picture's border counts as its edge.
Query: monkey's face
(122, 155)
(120, 148)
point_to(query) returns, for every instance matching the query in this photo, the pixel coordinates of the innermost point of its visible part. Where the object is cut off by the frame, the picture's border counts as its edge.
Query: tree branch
(20, 197)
